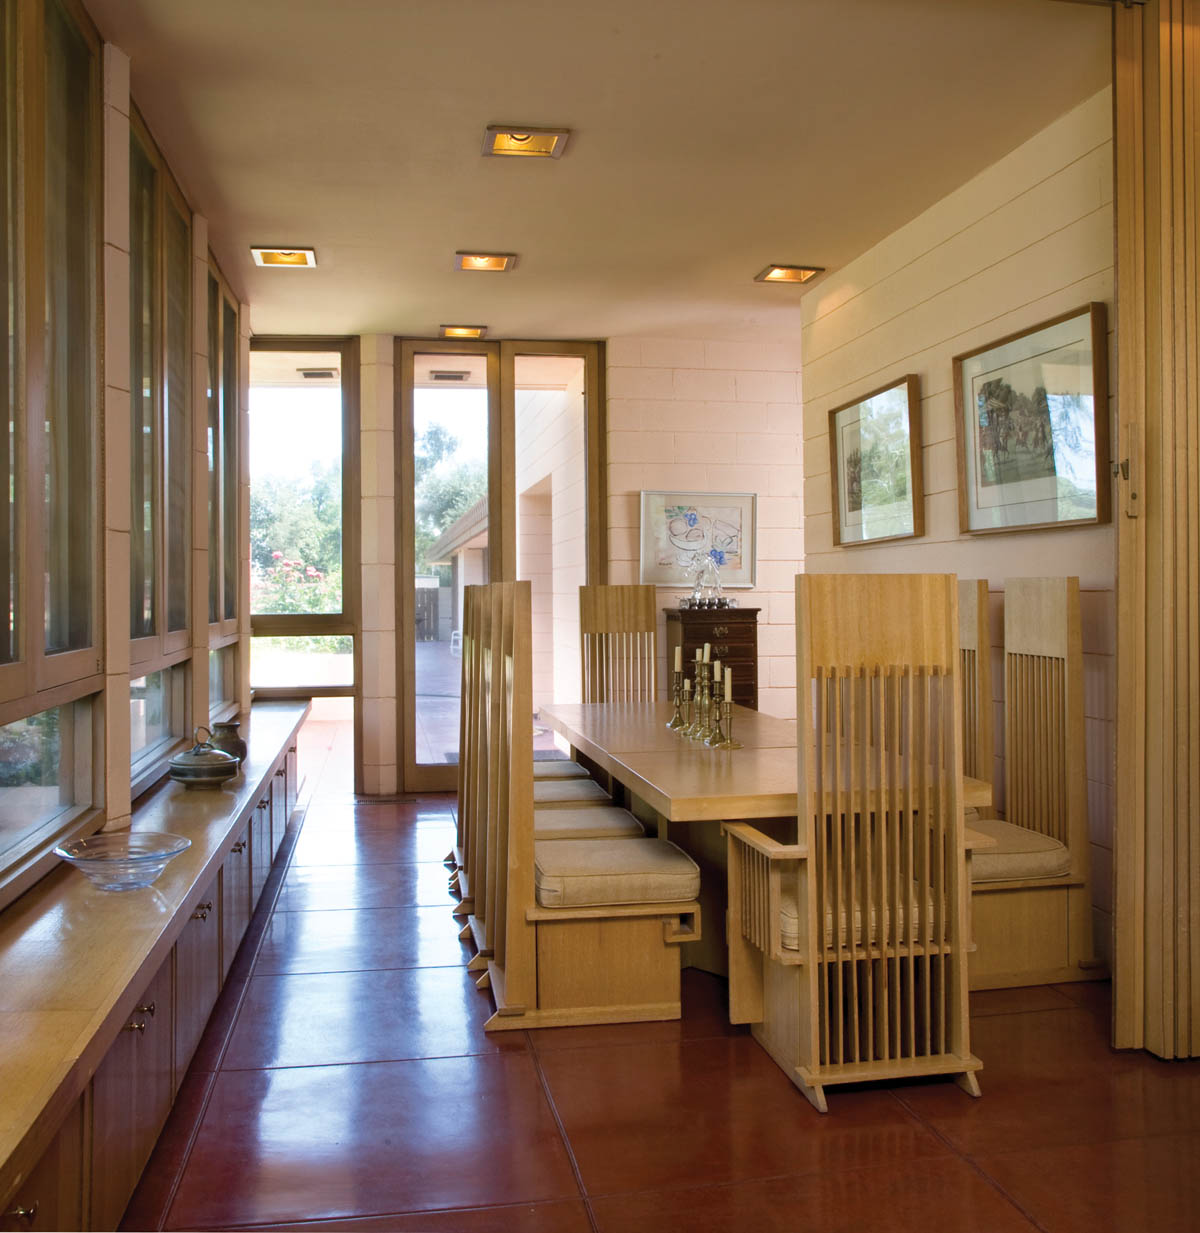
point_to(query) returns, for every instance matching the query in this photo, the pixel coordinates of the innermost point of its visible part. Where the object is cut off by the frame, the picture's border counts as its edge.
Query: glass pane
(35, 784)
(9, 569)
(177, 254)
(229, 470)
(551, 472)
(221, 664)
(143, 386)
(214, 429)
(300, 662)
(70, 333)
(450, 534)
(149, 711)
(295, 482)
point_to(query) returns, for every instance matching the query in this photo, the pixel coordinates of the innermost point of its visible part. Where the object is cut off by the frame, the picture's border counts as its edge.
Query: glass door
(447, 535)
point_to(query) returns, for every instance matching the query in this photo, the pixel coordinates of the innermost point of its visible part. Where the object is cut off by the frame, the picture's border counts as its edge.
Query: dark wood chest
(733, 637)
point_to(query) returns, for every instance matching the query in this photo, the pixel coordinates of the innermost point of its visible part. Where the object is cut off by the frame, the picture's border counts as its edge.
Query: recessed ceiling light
(297, 258)
(484, 261)
(463, 331)
(789, 273)
(524, 141)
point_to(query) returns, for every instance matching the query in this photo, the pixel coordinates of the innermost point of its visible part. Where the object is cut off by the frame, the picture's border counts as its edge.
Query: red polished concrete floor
(345, 1081)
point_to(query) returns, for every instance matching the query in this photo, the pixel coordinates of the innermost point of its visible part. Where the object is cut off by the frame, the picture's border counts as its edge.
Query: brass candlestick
(716, 737)
(727, 712)
(686, 707)
(704, 730)
(676, 720)
(697, 705)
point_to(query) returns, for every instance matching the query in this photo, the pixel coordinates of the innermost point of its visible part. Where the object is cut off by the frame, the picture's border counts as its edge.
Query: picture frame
(875, 465)
(1032, 427)
(679, 529)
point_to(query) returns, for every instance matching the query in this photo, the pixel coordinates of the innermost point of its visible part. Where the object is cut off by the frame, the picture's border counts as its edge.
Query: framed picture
(875, 465)
(1032, 426)
(681, 531)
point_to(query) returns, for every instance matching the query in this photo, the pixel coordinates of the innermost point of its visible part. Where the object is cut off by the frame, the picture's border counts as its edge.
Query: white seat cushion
(579, 873)
(594, 822)
(559, 768)
(789, 919)
(1019, 854)
(569, 792)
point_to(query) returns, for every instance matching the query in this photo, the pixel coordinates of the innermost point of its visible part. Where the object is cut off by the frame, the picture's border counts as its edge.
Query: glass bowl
(123, 860)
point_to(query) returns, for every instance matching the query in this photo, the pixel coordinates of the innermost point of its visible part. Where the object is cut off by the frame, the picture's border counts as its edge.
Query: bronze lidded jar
(203, 766)
(225, 737)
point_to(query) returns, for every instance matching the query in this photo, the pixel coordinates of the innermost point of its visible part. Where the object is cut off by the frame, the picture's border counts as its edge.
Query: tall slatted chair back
(472, 778)
(1031, 898)
(618, 632)
(1045, 776)
(863, 936)
(975, 658)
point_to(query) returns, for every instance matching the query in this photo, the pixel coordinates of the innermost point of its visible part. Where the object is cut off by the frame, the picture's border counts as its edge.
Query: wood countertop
(74, 959)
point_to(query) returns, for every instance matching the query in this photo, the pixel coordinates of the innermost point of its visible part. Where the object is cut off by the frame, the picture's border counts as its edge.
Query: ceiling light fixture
(484, 261)
(524, 141)
(788, 273)
(295, 258)
(463, 331)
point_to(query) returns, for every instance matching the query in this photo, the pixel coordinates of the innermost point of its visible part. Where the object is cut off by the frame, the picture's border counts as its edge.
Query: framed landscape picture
(681, 530)
(875, 465)
(1032, 426)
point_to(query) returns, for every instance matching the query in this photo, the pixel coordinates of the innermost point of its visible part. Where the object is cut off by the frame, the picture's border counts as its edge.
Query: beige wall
(710, 416)
(1029, 238)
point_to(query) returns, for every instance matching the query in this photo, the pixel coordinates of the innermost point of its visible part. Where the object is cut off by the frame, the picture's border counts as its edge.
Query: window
(222, 459)
(50, 665)
(157, 716)
(222, 681)
(303, 564)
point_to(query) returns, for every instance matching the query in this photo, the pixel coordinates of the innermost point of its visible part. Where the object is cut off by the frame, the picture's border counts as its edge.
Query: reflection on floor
(345, 1081)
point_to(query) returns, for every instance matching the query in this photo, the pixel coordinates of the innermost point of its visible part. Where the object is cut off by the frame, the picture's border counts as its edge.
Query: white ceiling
(711, 137)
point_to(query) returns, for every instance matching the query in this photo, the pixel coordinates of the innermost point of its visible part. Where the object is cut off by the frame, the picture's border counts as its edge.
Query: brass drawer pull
(202, 911)
(240, 846)
(148, 1009)
(720, 651)
(138, 1025)
(265, 804)
(27, 1214)
(719, 631)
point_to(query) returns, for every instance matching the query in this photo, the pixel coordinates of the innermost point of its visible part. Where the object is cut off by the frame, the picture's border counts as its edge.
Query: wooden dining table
(685, 781)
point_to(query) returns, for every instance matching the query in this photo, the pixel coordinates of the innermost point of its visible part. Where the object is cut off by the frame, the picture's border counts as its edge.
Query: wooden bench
(567, 931)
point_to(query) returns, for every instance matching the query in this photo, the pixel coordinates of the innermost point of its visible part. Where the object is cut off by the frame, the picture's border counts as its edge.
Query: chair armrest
(770, 848)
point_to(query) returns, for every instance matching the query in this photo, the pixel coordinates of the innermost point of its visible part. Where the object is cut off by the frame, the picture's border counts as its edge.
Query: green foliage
(443, 492)
(299, 518)
(29, 751)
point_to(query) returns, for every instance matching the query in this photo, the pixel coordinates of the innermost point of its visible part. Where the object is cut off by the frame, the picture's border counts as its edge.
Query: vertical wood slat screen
(1157, 141)
(618, 628)
(885, 848)
(1035, 740)
(969, 667)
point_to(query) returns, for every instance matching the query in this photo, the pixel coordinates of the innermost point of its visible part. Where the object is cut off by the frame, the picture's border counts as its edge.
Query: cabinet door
(131, 1097)
(52, 1196)
(197, 976)
(261, 855)
(235, 898)
(279, 809)
(292, 766)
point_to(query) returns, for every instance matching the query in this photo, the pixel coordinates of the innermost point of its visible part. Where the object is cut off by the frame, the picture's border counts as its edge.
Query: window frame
(223, 630)
(346, 622)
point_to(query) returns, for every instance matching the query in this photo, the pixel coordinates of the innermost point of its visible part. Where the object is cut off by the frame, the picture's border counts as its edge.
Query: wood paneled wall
(1157, 118)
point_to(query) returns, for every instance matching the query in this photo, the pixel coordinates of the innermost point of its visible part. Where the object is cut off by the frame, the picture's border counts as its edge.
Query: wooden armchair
(618, 632)
(1030, 896)
(847, 948)
(568, 930)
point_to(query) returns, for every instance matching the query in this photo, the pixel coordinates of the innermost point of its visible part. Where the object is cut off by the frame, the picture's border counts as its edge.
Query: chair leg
(814, 1093)
(969, 1082)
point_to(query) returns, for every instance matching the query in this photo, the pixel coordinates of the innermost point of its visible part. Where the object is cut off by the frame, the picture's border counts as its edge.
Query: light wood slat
(618, 631)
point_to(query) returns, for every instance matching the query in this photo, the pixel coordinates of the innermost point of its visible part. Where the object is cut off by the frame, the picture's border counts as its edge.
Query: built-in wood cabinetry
(236, 904)
(197, 975)
(732, 635)
(131, 1096)
(119, 1082)
(52, 1196)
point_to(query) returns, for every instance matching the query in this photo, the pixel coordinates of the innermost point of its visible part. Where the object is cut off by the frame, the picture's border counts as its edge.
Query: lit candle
(729, 683)
(679, 659)
(706, 651)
